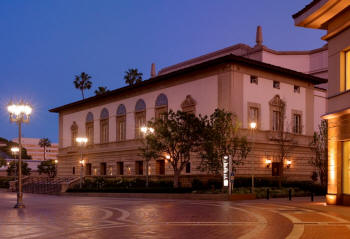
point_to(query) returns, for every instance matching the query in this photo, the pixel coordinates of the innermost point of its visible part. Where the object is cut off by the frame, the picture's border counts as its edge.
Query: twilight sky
(43, 44)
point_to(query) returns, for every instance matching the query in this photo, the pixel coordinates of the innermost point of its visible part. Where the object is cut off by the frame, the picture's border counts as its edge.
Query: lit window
(253, 114)
(254, 80)
(296, 89)
(276, 84)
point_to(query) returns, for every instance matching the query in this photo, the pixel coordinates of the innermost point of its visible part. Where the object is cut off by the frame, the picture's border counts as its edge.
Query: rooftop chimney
(153, 70)
(259, 37)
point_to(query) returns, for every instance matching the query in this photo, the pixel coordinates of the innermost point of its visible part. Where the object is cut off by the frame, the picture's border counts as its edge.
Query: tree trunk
(44, 152)
(82, 93)
(176, 179)
(281, 175)
(147, 178)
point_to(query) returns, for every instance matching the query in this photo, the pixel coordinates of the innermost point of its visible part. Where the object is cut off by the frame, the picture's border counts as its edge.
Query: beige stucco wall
(204, 91)
(320, 102)
(264, 92)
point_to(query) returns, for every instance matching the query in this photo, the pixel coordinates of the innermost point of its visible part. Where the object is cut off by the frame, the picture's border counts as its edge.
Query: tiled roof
(230, 58)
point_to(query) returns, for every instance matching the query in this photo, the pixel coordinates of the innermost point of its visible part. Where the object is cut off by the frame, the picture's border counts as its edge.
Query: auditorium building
(251, 82)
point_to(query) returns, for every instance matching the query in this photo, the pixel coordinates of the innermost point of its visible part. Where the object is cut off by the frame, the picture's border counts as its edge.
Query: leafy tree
(220, 138)
(175, 135)
(319, 146)
(284, 140)
(132, 76)
(101, 90)
(2, 162)
(43, 143)
(12, 169)
(82, 82)
(48, 167)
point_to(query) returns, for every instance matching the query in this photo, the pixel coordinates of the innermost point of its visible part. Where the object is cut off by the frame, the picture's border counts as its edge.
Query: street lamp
(252, 126)
(19, 113)
(82, 141)
(15, 151)
(147, 130)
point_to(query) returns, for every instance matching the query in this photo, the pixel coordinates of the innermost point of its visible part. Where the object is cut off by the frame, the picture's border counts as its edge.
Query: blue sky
(43, 44)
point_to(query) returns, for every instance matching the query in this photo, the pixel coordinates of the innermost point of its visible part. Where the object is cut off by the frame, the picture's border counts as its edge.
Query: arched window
(121, 123)
(74, 133)
(161, 106)
(104, 126)
(140, 117)
(89, 125)
(189, 105)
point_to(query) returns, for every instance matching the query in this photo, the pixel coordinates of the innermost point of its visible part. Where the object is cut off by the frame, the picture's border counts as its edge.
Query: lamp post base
(19, 203)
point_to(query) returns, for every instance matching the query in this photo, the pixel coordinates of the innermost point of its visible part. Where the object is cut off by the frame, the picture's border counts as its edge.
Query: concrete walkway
(100, 217)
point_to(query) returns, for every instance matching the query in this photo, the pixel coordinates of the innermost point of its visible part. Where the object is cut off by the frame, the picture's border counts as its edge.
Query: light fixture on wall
(252, 125)
(289, 163)
(268, 163)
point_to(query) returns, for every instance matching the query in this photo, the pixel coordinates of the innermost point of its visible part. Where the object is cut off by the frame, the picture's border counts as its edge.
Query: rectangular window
(347, 70)
(140, 120)
(90, 133)
(276, 84)
(188, 168)
(139, 167)
(253, 80)
(121, 128)
(346, 167)
(296, 123)
(104, 131)
(103, 168)
(73, 170)
(120, 168)
(74, 137)
(296, 89)
(253, 114)
(276, 120)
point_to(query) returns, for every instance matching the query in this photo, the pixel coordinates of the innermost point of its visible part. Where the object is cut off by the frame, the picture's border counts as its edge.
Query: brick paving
(92, 217)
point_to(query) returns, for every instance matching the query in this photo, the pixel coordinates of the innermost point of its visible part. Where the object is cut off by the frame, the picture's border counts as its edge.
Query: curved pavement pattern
(92, 217)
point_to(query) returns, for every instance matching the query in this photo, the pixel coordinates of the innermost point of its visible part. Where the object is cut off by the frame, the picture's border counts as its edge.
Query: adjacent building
(37, 152)
(334, 17)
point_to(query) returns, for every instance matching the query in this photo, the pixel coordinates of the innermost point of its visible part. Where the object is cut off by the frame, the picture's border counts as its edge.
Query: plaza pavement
(91, 217)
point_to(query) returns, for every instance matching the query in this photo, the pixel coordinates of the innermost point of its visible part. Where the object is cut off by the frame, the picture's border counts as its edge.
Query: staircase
(45, 185)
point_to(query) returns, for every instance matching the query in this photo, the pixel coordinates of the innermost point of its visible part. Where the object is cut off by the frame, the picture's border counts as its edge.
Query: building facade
(37, 152)
(334, 17)
(249, 88)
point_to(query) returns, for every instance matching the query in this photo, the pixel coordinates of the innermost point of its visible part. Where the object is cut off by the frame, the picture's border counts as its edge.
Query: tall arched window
(140, 117)
(161, 106)
(74, 133)
(104, 126)
(189, 105)
(89, 125)
(121, 123)
(277, 113)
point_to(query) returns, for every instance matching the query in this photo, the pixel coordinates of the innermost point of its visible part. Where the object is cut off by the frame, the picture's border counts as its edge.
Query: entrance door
(276, 168)
(88, 169)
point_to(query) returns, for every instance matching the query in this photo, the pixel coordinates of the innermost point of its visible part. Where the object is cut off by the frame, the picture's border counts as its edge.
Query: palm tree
(82, 82)
(43, 143)
(101, 90)
(132, 76)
